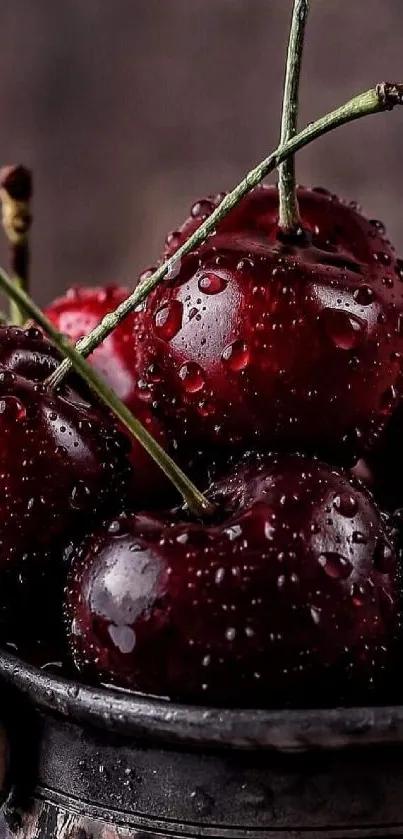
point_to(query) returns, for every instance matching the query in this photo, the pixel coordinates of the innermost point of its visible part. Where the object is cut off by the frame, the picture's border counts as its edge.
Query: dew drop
(230, 633)
(12, 409)
(212, 283)
(201, 208)
(387, 282)
(335, 565)
(192, 377)
(399, 269)
(379, 226)
(364, 295)
(358, 594)
(114, 527)
(173, 239)
(315, 614)
(346, 331)
(168, 320)
(359, 538)
(383, 257)
(345, 504)
(206, 408)
(236, 356)
(219, 575)
(79, 495)
(384, 557)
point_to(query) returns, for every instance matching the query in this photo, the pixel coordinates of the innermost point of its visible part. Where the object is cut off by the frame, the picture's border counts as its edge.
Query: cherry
(289, 598)
(292, 341)
(77, 313)
(63, 465)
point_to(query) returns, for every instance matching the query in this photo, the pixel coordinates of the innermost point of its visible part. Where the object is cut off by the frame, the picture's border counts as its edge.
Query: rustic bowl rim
(161, 721)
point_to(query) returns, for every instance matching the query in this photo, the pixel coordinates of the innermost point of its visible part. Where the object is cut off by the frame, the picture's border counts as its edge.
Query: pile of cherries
(270, 366)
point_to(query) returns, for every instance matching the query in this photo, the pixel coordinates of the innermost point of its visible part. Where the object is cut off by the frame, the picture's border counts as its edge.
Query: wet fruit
(62, 466)
(262, 338)
(116, 359)
(288, 598)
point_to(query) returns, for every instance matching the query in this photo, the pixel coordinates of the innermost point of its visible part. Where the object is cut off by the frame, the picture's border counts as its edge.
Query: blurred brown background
(128, 110)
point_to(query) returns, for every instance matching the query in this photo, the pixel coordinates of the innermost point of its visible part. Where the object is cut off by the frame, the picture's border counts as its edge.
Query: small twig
(15, 197)
(383, 97)
(196, 502)
(289, 218)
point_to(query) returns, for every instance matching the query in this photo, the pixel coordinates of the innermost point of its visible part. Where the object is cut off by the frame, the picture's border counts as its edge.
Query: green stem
(194, 499)
(289, 218)
(383, 97)
(15, 197)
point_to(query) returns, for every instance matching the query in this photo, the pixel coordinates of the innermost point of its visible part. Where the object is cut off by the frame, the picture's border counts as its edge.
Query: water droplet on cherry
(364, 295)
(335, 565)
(168, 320)
(212, 283)
(192, 377)
(345, 504)
(346, 331)
(236, 356)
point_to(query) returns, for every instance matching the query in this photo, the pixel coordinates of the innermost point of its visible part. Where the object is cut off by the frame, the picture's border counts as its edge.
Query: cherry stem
(289, 217)
(195, 500)
(383, 97)
(15, 197)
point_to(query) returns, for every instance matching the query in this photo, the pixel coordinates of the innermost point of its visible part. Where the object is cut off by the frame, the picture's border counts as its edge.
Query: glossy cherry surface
(297, 343)
(116, 359)
(289, 598)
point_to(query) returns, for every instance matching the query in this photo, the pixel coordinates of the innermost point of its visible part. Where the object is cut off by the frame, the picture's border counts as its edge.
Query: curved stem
(15, 197)
(383, 97)
(196, 502)
(289, 218)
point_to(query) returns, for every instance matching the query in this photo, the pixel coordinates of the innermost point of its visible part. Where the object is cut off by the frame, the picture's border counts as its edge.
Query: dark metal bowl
(98, 762)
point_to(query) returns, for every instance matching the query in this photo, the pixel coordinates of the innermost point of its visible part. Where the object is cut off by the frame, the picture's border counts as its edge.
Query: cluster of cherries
(270, 367)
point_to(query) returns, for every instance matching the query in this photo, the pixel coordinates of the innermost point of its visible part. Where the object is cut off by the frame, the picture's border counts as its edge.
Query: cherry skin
(294, 342)
(117, 360)
(290, 598)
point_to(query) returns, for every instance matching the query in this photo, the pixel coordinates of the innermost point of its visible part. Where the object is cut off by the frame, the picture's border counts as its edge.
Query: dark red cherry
(61, 463)
(116, 359)
(289, 598)
(290, 341)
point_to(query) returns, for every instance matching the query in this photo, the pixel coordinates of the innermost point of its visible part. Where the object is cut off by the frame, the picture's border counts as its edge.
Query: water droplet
(384, 557)
(206, 408)
(80, 495)
(114, 527)
(364, 295)
(335, 565)
(192, 377)
(346, 331)
(173, 239)
(399, 269)
(345, 504)
(358, 594)
(123, 637)
(315, 614)
(359, 538)
(201, 208)
(212, 283)
(387, 282)
(400, 325)
(202, 802)
(383, 257)
(245, 264)
(230, 633)
(168, 320)
(12, 409)
(388, 399)
(219, 575)
(236, 356)
(379, 226)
